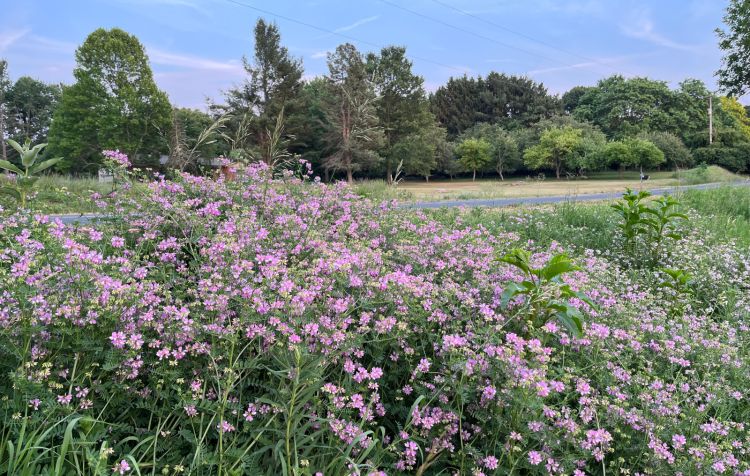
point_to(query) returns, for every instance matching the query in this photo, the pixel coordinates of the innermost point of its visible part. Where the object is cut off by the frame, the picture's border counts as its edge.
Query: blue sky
(196, 46)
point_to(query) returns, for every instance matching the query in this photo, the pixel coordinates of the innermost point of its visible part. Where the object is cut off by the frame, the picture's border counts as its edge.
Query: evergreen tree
(274, 85)
(402, 106)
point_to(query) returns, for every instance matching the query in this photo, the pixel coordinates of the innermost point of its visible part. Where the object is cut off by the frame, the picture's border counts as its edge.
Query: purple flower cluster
(225, 303)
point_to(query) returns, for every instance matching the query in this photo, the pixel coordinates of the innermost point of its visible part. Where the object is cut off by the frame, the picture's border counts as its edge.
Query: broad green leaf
(4, 164)
(45, 165)
(16, 146)
(510, 291)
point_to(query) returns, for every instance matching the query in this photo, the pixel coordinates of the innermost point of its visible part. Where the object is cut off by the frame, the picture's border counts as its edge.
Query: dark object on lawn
(644, 177)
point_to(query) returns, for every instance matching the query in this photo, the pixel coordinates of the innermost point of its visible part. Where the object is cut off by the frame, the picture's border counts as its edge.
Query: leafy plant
(543, 291)
(647, 225)
(634, 214)
(26, 178)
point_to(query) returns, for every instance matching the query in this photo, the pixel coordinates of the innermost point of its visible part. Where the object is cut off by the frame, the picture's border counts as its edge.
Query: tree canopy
(114, 104)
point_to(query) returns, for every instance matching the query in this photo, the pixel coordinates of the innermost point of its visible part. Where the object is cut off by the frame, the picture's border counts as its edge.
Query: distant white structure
(105, 176)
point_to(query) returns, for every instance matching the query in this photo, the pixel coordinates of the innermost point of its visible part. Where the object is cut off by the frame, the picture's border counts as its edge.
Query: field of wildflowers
(283, 326)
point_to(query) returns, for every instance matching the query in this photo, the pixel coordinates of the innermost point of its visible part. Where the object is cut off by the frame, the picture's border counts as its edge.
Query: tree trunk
(427, 178)
(349, 177)
(474, 178)
(501, 174)
(557, 171)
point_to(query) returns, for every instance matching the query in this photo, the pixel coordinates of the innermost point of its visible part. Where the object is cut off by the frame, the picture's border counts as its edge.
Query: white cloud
(166, 58)
(7, 38)
(641, 27)
(357, 23)
(319, 54)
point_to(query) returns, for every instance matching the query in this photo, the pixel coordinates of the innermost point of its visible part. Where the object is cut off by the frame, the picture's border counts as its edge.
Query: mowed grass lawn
(599, 182)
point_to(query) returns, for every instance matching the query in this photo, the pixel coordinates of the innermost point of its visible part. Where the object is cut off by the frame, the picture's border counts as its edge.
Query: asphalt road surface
(492, 202)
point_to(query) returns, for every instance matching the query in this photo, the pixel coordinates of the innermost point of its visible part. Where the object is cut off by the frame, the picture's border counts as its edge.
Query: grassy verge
(598, 182)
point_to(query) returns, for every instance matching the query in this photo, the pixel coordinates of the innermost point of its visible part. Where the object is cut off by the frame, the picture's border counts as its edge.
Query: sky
(196, 46)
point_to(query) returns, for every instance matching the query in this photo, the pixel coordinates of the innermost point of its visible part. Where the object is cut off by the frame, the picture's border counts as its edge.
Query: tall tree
(354, 136)
(510, 101)
(114, 104)
(274, 85)
(624, 107)
(4, 85)
(734, 75)
(402, 106)
(421, 150)
(557, 148)
(30, 105)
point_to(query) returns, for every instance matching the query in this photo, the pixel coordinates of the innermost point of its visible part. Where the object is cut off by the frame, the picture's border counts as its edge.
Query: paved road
(492, 203)
(504, 202)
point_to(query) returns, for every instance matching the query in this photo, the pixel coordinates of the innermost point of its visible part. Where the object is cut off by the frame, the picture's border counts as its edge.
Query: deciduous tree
(474, 154)
(354, 136)
(30, 105)
(734, 75)
(114, 104)
(556, 149)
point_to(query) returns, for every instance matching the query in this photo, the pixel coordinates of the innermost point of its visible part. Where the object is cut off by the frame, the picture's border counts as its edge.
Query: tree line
(368, 116)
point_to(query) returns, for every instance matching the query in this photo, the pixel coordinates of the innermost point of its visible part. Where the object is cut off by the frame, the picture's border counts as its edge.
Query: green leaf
(571, 322)
(4, 164)
(16, 146)
(45, 165)
(557, 265)
(510, 291)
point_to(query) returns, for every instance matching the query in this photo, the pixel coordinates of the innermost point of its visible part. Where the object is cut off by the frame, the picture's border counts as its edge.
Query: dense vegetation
(288, 327)
(370, 116)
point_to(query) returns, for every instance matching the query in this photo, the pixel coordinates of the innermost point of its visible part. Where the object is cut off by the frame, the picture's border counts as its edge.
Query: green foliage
(736, 159)
(676, 154)
(632, 152)
(557, 149)
(504, 152)
(26, 177)
(543, 292)
(474, 154)
(645, 227)
(29, 106)
(403, 112)
(734, 74)
(354, 136)
(275, 85)
(510, 101)
(114, 104)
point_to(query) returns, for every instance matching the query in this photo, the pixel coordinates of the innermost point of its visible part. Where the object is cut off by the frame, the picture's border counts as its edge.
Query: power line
(523, 35)
(336, 33)
(473, 33)
(352, 38)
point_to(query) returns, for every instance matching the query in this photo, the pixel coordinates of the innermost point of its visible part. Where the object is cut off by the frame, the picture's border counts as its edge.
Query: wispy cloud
(357, 23)
(166, 58)
(319, 54)
(7, 38)
(641, 27)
